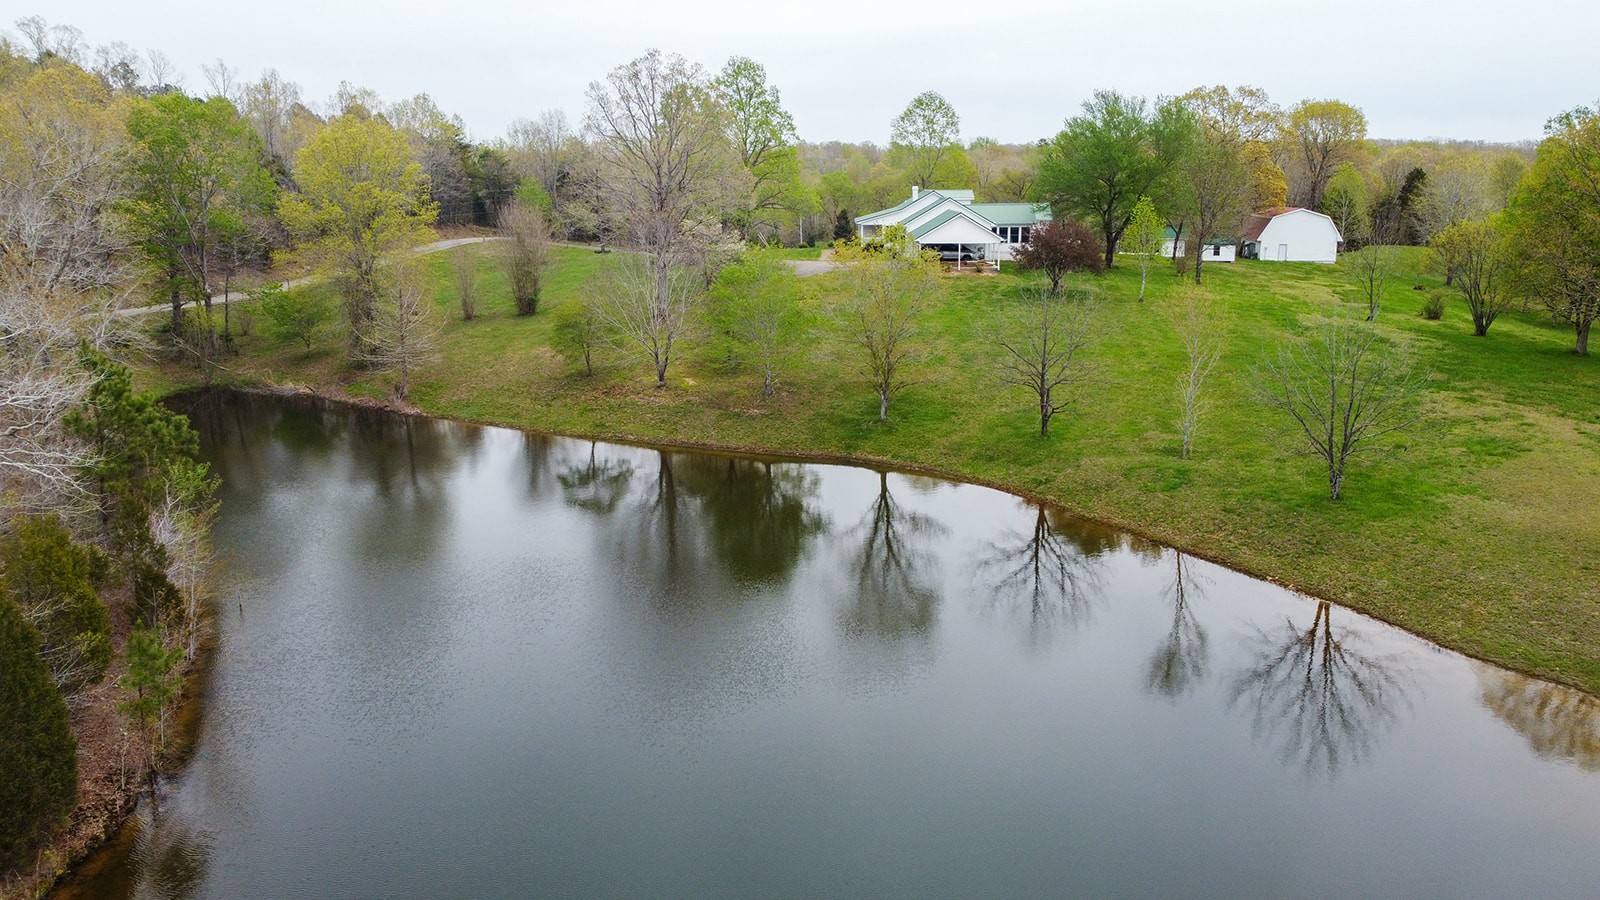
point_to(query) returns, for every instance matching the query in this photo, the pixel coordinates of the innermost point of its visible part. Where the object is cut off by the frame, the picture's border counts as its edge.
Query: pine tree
(38, 759)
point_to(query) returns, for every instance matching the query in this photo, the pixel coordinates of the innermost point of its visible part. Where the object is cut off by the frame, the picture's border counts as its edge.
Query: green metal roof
(1167, 234)
(961, 196)
(1013, 213)
(940, 220)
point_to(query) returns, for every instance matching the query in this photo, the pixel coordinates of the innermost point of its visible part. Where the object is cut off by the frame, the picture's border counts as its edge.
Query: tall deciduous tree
(1347, 201)
(62, 146)
(1117, 150)
(762, 132)
(1218, 180)
(667, 172)
(197, 181)
(1556, 222)
(1320, 136)
(362, 196)
(1480, 260)
(926, 131)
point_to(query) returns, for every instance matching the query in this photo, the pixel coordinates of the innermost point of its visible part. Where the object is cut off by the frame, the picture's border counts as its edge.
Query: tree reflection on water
(1316, 694)
(1558, 723)
(1180, 661)
(895, 588)
(1047, 576)
(594, 484)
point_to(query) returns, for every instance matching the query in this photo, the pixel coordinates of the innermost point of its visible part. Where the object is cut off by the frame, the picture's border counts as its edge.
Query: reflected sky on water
(461, 661)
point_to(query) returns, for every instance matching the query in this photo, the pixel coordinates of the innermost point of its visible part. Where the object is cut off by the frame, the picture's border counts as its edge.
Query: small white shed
(1292, 235)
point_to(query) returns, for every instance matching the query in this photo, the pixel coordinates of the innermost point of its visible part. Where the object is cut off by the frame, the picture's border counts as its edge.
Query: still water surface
(471, 662)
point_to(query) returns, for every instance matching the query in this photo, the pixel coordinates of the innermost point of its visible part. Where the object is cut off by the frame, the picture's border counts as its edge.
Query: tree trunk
(1583, 338)
(1335, 481)
(1199, 263)
(1044, 419)
(1111, 249)
(1144, 276)
(883, 406)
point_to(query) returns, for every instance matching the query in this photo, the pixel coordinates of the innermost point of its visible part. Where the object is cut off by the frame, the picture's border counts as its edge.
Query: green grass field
(1480, 531)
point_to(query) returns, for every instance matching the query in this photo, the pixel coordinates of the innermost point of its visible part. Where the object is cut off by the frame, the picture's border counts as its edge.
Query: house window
(1216, 249)
(1023, 234)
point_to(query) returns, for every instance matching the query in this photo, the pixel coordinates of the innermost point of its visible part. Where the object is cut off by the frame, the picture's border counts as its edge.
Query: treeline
(104, 504)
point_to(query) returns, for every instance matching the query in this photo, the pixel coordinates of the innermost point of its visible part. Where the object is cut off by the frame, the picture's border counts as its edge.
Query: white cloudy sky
(1014, 70)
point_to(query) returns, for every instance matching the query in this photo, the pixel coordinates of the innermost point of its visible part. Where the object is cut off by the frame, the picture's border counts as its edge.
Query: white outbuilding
(1292, 234)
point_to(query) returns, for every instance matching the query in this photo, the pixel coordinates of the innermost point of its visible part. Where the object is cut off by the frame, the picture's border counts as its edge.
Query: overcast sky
(1466, 69)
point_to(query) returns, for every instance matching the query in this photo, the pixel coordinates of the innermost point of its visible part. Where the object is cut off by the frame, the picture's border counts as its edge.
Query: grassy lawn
(1480, 531)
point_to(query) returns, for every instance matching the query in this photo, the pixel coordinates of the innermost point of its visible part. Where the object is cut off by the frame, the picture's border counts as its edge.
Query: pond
(464, 661)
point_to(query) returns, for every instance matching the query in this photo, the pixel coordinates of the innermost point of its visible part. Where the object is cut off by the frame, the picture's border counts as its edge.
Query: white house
(1292, 235)
(949, 222)
(1218, 249)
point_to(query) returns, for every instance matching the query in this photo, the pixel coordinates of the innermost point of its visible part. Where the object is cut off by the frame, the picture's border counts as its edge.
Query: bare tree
(1180, 661)
(464, 270)
(1345, 389)
(223, 81)
(1043, 352)
(402, 333)
(633, 314)
(1042, 574)
(1201, 336)
(525, 253)
(1370, 269)
(1319, 693)
(61, 271)
(889, 292)
(666, 166)
(545, 150)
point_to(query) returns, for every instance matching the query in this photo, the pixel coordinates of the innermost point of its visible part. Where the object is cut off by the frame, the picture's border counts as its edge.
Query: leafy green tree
(1143, 238)
(1117, 150)
(1480, 260)
(37, 753)
(134, 438)
(1059, 247)
(362, 197)
(1321, 135)
(579, 331)
(197, 179)
(1556, 222)
(755, 309)
(297, 315)
(1348, 202)
(762, 132)
(47, 575)
(927, 132)
(153, 679)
